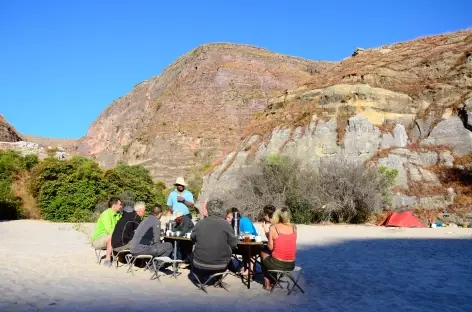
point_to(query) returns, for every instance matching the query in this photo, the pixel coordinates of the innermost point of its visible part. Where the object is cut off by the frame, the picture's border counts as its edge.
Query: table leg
(249, 269)
(175, 257)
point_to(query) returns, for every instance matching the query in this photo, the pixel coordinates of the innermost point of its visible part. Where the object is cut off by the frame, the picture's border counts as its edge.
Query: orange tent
(401, 219)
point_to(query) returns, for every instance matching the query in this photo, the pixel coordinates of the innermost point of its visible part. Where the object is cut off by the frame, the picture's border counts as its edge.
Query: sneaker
(107, 263)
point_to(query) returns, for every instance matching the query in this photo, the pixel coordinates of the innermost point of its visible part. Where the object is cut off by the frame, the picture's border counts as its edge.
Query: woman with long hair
(282, 244)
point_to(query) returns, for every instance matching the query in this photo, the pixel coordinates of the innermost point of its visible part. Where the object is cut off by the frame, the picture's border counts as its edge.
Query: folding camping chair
(130, 261)
(117, 256)
(219, 282)
(278, 275)
(98, 254)
(159, 262)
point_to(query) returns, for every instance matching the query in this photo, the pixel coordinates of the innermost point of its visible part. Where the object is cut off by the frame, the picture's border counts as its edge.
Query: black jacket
(124, 229)
(214, 240)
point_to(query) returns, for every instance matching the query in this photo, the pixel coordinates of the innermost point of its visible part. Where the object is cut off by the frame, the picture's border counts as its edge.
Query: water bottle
(235, 223)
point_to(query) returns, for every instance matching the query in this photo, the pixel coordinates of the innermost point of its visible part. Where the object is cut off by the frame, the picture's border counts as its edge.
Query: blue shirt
(246, 226)
(180, 207)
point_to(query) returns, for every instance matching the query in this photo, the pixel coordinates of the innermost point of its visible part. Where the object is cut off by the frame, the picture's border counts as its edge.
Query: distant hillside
(7, 132)
(69, 145)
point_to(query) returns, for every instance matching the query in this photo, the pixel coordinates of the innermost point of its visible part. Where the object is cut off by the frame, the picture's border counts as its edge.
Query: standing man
(180, 202)
(101, 238)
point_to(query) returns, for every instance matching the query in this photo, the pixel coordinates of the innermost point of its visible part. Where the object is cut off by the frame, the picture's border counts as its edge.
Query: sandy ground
(51, 267)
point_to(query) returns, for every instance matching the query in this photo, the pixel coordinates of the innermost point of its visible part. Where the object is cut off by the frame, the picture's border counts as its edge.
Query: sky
(63, 62)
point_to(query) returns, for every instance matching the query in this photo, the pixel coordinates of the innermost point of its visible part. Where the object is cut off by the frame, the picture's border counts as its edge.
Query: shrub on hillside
(339, 191)
(68, 190)
(136, 180)
(11, 164)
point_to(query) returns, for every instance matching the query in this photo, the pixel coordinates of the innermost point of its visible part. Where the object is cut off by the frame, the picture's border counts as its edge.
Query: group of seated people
(214, 240)
(215, 243)
(116, 231)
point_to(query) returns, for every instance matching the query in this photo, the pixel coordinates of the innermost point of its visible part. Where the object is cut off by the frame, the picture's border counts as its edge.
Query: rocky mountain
(401, 106)
(196, 110)
(7, 132)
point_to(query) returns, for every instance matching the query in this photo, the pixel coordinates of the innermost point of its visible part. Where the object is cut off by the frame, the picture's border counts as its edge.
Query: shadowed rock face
(7, 132)
(195, 110)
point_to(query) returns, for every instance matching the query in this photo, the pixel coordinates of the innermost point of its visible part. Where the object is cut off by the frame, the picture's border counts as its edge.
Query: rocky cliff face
(195, 110)
(7, 132)
(396, 106)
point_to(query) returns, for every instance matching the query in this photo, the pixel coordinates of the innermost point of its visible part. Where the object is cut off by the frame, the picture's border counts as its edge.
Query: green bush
(72, 190)
(78, 189)
(68, 190)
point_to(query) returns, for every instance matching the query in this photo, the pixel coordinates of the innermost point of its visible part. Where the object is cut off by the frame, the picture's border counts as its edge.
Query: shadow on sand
(352, 275)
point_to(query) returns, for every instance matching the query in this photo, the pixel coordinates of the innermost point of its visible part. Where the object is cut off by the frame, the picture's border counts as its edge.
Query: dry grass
(422, 189)
(29, 206)
(460, 179)
(416, 147)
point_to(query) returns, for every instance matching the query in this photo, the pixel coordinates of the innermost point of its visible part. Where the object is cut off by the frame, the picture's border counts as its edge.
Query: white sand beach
(51, 267)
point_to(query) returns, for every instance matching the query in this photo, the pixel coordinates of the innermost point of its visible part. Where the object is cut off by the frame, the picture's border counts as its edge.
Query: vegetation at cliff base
(339, 191)
(72, 190)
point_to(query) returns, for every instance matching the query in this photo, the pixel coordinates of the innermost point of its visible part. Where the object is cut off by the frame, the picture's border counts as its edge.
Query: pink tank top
(285, 246)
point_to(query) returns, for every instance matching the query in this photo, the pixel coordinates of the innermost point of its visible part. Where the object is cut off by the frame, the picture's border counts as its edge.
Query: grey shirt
(148, 233)
(214, 240)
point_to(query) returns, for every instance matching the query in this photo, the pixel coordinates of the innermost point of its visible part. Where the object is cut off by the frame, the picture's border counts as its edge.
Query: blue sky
(63, 62)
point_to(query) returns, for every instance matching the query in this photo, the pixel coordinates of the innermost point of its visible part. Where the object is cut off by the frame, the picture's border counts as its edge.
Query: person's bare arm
(270, 239)
(188, 203)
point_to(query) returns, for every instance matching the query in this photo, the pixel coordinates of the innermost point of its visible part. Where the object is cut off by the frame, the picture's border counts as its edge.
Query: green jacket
(106, 223)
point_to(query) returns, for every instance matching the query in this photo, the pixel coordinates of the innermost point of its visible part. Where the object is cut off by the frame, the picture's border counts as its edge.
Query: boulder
(400, 200)
(451, 132)
(398, 138)
(428, 158)
(446, 159)
(396, 162)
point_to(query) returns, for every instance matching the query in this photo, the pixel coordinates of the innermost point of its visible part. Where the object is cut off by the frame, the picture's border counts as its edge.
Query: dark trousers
(185, 248)
(156, 250)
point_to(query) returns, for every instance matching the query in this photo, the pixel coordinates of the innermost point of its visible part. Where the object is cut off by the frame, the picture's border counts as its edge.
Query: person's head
(140, 208)
(213, 207)
(180, 184)
(229, 214)
(268, 212)
(115, 204)
(157, 211)
(281, 216)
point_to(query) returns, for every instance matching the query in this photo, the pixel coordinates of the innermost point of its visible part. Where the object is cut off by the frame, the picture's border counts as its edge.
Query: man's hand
(180, 199)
